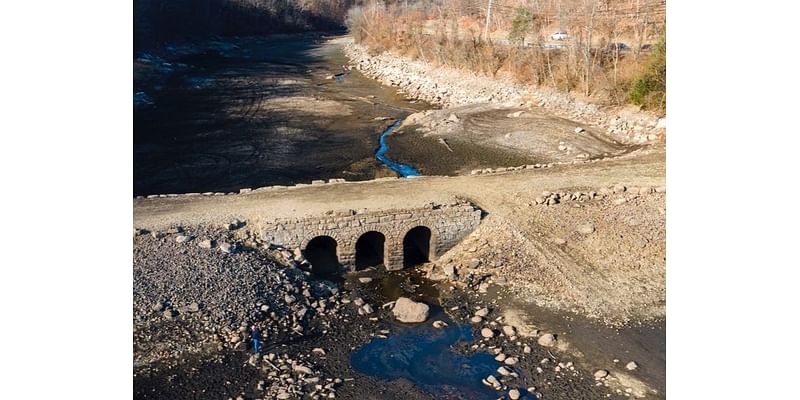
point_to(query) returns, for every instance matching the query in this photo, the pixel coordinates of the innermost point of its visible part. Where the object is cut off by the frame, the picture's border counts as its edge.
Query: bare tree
(641, 21)
(586, 26)
(612, 25)
(488, 21)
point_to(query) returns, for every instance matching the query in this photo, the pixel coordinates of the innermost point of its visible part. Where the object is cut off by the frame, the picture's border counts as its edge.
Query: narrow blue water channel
(380, 153)
(424, 355)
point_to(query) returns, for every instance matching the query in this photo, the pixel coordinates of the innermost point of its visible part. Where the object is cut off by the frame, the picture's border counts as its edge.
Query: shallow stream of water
(380, 153)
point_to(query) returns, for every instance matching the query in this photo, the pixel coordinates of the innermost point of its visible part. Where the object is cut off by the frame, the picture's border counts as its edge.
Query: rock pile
(508, 169)
(624, 193)
(289, 378)
(211, 298)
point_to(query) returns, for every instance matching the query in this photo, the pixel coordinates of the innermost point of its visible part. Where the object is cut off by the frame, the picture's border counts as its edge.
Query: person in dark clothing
(255, 336)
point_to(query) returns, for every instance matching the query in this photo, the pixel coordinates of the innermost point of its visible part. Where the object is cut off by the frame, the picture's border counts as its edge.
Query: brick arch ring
(330, 233)
(387, 235)
(388, 239)
(403, 230)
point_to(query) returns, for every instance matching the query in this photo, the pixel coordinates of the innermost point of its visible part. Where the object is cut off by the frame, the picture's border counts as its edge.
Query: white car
(560, 35)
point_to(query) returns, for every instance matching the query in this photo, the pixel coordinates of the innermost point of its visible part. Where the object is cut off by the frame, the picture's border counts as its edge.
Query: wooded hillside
(613, 51)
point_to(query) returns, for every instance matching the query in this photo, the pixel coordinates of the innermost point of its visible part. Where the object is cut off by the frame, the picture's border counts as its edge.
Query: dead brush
(446, 38)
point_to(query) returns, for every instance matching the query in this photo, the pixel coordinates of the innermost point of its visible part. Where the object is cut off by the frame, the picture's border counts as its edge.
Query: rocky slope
(451, 87)
(600, 252)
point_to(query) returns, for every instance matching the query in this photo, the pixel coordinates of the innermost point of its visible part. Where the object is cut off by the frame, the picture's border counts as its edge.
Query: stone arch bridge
(396, 238)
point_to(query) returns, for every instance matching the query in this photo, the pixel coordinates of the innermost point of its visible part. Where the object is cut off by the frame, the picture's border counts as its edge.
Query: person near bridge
(255, 337)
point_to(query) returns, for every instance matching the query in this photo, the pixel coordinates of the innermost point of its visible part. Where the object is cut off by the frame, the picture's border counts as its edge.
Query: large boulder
(410, 311)
(600, 374)
(547, 340)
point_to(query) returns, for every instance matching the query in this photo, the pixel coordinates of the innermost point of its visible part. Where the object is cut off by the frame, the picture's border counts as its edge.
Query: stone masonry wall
(448, 225)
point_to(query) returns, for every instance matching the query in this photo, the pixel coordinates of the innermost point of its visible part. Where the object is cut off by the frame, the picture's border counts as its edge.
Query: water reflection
(425, 356)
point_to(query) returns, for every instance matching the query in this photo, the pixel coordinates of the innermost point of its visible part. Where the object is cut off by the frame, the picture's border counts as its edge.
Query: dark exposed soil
(414, 149)
(255, 112)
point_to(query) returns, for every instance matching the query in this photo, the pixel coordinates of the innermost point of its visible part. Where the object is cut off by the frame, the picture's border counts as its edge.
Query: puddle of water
(409, 283)
(380, 153)
(424, 355)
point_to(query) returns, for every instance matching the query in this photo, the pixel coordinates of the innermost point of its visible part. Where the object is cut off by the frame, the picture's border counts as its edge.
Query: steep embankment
(450, 87)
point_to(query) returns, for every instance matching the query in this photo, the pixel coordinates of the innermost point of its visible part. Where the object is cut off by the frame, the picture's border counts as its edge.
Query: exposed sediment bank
(451, 87)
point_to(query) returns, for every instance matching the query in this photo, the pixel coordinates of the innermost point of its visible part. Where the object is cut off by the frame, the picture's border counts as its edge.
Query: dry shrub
(456, 42)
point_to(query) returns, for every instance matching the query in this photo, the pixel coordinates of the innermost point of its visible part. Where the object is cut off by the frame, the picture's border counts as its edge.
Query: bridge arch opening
(370, 249)
(416, 246)
(321, 253)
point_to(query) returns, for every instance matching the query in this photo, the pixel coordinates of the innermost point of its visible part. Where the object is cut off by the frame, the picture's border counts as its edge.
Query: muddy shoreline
(251, 112)
(455, 156)
(220, 116)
